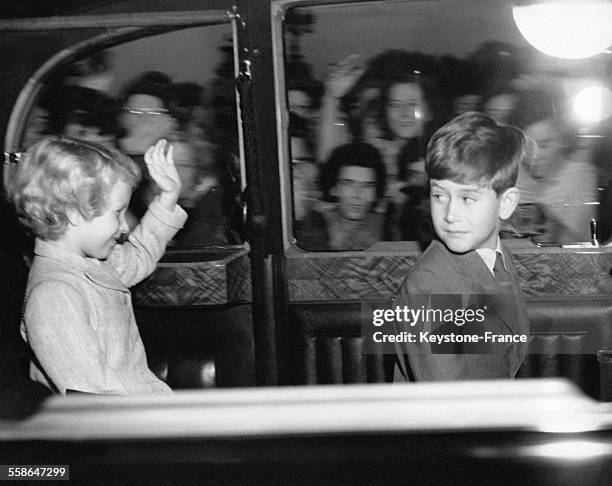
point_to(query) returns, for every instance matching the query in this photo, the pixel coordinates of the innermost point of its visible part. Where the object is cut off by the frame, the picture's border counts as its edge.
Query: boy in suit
(472, 164)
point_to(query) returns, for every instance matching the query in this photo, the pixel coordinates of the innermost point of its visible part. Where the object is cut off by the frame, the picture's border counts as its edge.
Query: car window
(175, 85)
(391, 81)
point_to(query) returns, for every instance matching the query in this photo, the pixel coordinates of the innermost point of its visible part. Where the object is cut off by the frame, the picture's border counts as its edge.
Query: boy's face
(96, 238)
(356, 191)
(467, 216)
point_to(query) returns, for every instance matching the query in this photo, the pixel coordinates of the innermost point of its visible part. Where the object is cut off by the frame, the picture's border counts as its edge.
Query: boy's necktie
(504, 284)
(502, 276)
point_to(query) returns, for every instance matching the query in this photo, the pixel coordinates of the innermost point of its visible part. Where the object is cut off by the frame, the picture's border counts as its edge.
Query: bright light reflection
(566, 29)
(592, 104)
(571, 450)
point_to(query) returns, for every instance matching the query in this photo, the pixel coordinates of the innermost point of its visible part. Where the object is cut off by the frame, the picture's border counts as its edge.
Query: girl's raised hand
(162, 170)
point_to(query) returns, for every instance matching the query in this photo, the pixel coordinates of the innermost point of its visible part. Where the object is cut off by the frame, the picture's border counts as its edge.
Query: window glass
(177, 86)
(367, 84)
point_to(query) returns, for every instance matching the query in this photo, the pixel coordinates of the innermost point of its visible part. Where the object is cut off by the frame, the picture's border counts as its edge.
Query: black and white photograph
(306, 242)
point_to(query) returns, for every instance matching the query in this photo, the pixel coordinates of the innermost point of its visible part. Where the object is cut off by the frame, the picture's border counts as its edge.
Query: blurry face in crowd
(141, 107)
(415, 173)
(300, 103)
(195, 128)
(500, 107)
(549, 142)
(356, 191)
(146, 120)
(186, 166)
(304, 177)
(362, 110)
(299, 151)
(369, 94)
(465, 103)
(37, 123)
(406, 110)
(89, 134)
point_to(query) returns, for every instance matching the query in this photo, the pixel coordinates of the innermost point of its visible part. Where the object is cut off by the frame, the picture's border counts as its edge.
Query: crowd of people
(149, 108)
(388, 106)
(385, 110)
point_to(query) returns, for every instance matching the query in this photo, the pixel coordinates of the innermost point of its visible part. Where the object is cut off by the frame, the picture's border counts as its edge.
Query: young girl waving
(78, 318)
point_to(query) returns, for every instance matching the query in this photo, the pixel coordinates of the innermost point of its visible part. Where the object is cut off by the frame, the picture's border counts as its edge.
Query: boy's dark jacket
(440, 272)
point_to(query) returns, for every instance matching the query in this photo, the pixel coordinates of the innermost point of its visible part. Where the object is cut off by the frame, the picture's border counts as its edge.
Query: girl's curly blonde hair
(60, 175)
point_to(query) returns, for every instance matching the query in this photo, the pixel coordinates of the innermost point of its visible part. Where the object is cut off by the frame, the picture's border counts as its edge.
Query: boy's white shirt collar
(488, 256)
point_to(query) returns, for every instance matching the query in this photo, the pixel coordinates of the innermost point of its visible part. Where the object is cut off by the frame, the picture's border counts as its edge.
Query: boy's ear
(509, 200)
(334, 191)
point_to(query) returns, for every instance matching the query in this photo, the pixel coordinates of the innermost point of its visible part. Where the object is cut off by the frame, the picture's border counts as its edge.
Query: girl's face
(406, 110)
(96, 237)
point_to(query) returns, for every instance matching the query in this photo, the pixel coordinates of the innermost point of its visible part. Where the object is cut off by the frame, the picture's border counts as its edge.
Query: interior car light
(569, 29)
(592, 104)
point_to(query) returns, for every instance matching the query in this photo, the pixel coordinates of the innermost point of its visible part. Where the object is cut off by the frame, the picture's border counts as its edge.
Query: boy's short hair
(474, 148)
(353, 155)
(59, 175)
